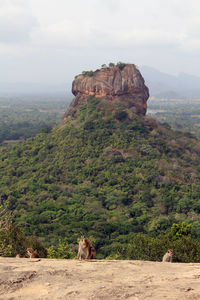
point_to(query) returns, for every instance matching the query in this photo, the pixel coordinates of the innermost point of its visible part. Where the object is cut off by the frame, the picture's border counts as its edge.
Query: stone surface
(125, 85)
(51, 279)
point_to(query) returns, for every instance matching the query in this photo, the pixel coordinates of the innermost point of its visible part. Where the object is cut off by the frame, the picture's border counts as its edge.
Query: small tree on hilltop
(104, 66)
(121, 65)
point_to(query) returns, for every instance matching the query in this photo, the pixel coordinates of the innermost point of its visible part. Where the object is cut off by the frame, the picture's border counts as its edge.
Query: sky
(51, 41)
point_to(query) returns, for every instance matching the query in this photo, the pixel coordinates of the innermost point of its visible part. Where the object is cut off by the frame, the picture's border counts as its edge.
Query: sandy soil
(22, 278)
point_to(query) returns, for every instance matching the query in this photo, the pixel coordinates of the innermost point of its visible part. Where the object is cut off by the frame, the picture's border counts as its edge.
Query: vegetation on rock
(88, 73)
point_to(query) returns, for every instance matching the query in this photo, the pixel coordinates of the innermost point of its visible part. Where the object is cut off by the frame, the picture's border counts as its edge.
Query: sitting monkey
(168, 256)
(85, 249)
(31, 253)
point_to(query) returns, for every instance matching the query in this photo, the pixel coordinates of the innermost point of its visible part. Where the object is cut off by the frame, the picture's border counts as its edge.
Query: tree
(111, 64)
(62, 250)
(121, 115)
(181, 229)
(121, 65)
(13, 240)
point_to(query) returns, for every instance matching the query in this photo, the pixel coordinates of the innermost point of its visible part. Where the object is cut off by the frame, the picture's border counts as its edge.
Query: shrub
(181, 229)
(121, 65)
(88, 73)
(62, 250)
(89, 125)
(144, 247)
(121, 115)
(13, 241)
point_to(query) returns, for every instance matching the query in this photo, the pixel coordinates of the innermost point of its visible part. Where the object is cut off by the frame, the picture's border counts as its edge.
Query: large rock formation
(121, 83)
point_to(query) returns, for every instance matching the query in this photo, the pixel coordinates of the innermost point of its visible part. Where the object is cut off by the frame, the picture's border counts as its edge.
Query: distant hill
(163, 85)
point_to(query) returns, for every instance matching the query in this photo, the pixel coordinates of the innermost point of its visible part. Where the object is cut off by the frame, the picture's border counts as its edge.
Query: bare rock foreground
(71, 279)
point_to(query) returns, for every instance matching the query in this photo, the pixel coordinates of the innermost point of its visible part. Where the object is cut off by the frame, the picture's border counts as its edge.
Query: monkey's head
(85, 243)
(171, 252)
(29, 250)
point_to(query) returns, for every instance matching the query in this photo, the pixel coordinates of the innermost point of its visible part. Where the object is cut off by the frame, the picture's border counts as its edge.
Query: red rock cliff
(125, 85)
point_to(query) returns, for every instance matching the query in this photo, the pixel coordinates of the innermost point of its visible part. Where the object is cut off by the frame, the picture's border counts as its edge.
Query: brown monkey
(31, 253)
(85, 249)
(18, 255)
(168, 256)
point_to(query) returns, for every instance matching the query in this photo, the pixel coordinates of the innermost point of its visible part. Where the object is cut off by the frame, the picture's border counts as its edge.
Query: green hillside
(107, 174)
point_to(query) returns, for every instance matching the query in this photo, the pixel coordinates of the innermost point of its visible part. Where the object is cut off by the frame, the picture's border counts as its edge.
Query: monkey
(18, 255)
(31, 253)
(168, 256)
(85, 250)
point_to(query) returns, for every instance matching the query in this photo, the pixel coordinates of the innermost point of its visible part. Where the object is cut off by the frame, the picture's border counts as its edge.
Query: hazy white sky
(50, 41)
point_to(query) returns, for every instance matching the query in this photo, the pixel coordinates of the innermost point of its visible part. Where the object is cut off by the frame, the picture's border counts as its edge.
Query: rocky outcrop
(121, 83)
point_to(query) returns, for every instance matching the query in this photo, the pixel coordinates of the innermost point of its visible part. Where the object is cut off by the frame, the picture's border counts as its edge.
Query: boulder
(121, 83)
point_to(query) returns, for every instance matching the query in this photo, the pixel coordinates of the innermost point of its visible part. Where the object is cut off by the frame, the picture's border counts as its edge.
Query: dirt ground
(49, 279)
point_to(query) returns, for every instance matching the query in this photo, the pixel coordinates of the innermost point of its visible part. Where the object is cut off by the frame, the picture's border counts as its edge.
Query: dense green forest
(25, 116)
(119, 179)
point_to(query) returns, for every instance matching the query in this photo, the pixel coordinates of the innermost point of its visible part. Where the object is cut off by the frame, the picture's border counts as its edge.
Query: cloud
(112, 5)
(66, 32)
(92, 23)
(16, 21)
(56, 38)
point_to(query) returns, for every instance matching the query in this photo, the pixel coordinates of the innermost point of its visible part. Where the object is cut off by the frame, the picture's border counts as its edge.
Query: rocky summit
(122, 83)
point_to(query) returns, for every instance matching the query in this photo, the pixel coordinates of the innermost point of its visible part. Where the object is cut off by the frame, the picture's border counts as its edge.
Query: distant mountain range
(163, 85)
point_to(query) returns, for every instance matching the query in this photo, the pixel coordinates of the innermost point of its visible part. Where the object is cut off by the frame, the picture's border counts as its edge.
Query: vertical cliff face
(121, 83)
